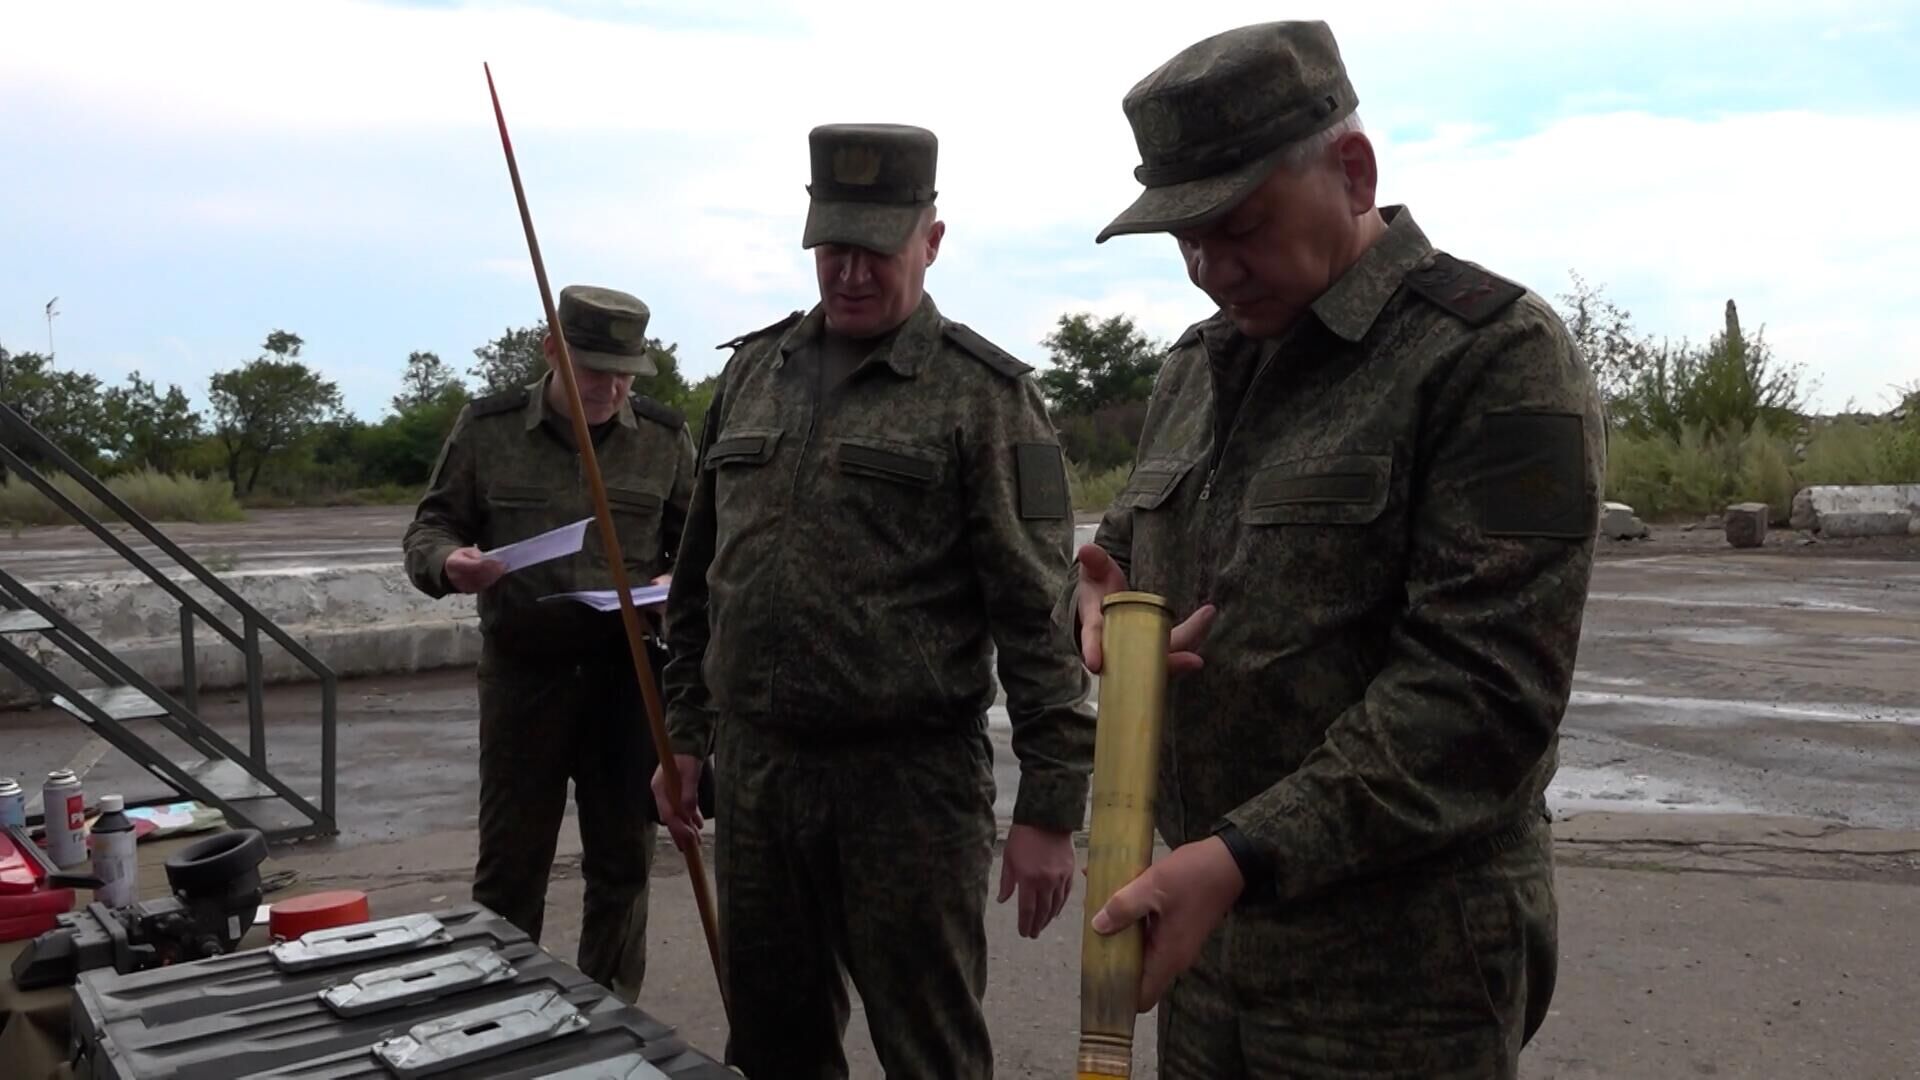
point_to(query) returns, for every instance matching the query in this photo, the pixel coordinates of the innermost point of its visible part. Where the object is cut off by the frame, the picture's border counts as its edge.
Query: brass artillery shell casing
(1126, 760)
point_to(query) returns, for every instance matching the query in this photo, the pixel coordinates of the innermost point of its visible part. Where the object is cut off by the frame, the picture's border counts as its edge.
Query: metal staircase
(164, 733)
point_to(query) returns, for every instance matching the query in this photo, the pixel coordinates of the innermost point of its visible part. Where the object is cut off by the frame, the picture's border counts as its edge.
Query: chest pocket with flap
(883, 459)
(1152, 482)
(742, 446)
(1339, 489)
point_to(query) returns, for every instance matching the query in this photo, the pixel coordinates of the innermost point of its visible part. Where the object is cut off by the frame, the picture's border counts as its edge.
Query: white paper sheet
(553, 544)
(609, 600)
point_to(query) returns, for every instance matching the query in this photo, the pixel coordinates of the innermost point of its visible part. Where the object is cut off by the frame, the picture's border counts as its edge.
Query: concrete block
(358, 620)
(1844, 510)
(1746, 524)
(1617, 522)
(1803, 518)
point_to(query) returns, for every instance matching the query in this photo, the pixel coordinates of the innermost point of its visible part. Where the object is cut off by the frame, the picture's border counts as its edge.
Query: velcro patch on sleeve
(1042, 473)
(1533, 476)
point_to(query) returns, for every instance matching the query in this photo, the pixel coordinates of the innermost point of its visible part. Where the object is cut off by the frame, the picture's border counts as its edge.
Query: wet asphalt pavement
(1708, 680)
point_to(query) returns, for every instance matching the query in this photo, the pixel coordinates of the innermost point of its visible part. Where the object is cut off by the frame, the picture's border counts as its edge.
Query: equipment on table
(458, 994)
(1135, 628)
(216, 893)
(33, 892)
(317, 911)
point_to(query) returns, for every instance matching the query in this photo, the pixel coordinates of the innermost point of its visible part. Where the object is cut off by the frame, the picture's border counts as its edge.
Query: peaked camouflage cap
(1212, 122)
(606, 330)
(870, 184)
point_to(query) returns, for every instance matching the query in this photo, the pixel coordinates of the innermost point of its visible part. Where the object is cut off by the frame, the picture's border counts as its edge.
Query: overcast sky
(186, 177)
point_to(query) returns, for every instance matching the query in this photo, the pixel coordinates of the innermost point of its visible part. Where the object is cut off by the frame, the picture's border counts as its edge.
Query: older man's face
(1269, 258)
(868, 293)
(601, 392)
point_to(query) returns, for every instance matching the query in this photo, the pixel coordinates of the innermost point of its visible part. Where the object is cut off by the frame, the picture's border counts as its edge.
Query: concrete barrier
(1849, 510)
(359, 620)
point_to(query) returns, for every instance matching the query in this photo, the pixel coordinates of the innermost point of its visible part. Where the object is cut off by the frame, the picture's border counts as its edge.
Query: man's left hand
(1182, 898)
(1039, 864)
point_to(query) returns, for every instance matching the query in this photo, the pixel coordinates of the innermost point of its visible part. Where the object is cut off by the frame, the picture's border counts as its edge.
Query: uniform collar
(1351, 305)
(906, 349)
(536, 410)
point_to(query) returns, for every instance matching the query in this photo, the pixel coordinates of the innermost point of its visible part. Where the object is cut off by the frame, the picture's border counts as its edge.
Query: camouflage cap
(1212, 122)
(870, 184)
(606, 330)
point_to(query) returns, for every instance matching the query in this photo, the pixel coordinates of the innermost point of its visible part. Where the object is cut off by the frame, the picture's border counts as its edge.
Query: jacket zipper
(1220, 445)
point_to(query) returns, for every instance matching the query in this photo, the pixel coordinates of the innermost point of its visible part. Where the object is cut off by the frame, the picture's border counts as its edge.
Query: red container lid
(291, 918)
(19, 872)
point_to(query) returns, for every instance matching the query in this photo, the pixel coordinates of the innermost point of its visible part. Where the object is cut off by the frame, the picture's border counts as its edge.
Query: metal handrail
(253, 622)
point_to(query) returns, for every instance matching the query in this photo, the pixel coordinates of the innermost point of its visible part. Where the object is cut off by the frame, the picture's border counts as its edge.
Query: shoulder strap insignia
(986, 351)
(505, 401)
(660, 414)
(1467, 292)
(763, 331)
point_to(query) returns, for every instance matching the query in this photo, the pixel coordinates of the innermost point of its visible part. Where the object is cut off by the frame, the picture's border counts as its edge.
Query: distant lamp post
(50, 314)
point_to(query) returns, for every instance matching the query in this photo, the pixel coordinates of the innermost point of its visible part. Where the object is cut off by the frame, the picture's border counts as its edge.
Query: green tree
(1617, 354)
(64, 406)
(267, 406)
(513, 359)
(284, 345)
(147, 428)
(668, 386)
(1731, 387)
(1740, 384)
(699, 400)
(1095, 364)
(427, 381)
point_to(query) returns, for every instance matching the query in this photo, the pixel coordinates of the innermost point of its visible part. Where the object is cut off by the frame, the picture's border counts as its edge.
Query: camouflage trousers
(867, 860)
(1445, 975)
(541, 725)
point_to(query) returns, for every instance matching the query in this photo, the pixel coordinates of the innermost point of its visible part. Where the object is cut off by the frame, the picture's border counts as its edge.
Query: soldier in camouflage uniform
(1368, 485)
(558, 697)
(882, 505)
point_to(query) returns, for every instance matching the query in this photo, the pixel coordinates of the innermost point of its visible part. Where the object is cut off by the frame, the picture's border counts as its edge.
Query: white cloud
(1675, 217)
(671, 157)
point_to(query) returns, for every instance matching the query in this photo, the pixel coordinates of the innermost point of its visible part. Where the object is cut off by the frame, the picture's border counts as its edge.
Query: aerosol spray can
(65, 810)
(114, 861)
(13, 803)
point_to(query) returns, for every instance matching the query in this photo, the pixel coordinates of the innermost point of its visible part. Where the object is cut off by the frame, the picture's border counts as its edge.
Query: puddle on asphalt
(1661, 708)
(1798, 603)
(1735, 635)
(1608, 680)
(1576, 789)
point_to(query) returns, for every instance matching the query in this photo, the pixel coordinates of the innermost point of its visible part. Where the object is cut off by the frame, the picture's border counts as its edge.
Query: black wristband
(1255, 867)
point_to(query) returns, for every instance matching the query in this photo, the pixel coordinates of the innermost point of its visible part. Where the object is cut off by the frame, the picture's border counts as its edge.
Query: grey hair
(1298, 156)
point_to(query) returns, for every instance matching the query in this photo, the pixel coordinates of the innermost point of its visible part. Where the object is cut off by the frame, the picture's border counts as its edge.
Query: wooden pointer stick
(610, 539)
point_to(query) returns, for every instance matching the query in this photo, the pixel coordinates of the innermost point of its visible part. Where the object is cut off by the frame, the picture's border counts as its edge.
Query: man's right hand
(1101, 577)
(469, 572)
(683, 822)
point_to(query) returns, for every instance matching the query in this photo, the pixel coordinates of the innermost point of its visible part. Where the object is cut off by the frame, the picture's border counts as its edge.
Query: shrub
(156, 496)
(1094, 489)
